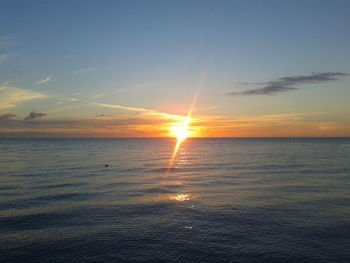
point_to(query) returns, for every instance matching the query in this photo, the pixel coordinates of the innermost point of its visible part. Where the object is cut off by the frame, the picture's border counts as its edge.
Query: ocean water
(225, 200)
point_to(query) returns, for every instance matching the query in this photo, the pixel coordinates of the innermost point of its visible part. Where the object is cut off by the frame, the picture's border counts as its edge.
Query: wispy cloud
(7, 116)
(5, 57)
(11, 96)
(135, 126)
(141, 110)
(42, 81)
(288, 83)
(273, 125)
(35, 115)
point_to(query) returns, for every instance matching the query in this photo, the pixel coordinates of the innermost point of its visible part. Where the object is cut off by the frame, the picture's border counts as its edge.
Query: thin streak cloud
(11, 96)
(42, 81)
(142, 110)
(288, 83)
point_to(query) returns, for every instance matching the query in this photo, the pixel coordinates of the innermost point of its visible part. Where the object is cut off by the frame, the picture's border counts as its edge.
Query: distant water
(226, 200)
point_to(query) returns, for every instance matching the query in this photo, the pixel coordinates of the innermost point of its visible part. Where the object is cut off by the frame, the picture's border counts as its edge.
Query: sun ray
(181, 132)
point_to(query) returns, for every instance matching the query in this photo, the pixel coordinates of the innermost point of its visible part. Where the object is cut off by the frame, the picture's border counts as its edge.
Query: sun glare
(181, 132)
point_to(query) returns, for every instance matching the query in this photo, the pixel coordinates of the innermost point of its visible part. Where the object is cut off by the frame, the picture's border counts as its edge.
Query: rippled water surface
(226, 200)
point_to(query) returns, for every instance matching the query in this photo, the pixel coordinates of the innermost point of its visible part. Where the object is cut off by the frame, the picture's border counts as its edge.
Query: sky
(132, 68)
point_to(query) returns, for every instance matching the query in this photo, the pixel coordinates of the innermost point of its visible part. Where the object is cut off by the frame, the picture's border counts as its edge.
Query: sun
(181, 132)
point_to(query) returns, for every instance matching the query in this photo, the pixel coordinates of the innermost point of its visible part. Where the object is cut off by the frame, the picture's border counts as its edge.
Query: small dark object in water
(106, 165)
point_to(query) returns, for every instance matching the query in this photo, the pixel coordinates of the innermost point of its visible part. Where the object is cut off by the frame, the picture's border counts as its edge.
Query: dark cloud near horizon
(100, 123)
(93, 127)
(288, 83)
(7, 116)
(34, 115)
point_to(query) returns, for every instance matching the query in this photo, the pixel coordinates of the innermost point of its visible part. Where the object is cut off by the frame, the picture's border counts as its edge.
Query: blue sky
(59, 56)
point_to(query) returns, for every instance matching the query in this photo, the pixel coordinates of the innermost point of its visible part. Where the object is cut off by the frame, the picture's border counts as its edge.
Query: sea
(223, 200)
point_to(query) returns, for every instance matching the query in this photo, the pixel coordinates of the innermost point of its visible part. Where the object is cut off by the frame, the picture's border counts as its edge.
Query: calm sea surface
(226, 200)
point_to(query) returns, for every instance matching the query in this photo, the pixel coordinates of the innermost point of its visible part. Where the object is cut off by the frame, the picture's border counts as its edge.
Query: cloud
(289, 83)
(42, 81)
(113, 123)
(274, 125)
(107, 126)
(10, 96)
(7, 116)
(141, 110)
(140, 123)
(34, 115)
(4, 57)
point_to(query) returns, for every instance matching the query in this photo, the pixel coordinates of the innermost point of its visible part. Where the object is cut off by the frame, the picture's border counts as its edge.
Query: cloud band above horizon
(289, 83)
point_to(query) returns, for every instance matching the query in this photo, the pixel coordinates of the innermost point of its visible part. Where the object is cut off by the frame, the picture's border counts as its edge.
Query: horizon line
(174, 138)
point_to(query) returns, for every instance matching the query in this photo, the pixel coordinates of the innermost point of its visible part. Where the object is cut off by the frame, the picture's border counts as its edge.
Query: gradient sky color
(131, 68)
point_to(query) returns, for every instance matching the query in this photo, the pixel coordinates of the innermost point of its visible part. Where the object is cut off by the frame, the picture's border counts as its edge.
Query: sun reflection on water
(180, 197)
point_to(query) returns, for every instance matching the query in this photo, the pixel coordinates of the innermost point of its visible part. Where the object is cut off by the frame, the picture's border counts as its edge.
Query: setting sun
(181, 132)
(174, 131)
